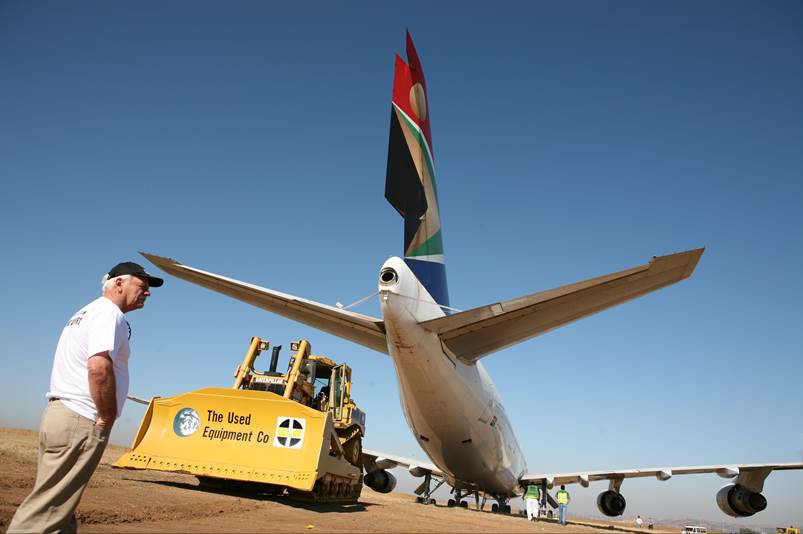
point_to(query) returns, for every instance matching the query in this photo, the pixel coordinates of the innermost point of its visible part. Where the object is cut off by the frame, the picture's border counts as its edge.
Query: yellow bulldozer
(297, 432)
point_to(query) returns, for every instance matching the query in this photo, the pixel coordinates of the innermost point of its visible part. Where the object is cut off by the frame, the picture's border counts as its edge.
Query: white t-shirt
(97, 327)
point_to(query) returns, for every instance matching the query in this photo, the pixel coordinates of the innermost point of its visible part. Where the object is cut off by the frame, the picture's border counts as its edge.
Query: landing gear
(458, 499)
(502, 507)
(425, 489)
(545, 501)
(422, 500)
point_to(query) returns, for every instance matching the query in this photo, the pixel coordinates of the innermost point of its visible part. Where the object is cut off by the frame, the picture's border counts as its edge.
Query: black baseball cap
(135, 269)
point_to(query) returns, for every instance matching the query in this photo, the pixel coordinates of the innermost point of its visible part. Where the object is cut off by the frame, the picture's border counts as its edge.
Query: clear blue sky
(572, 139)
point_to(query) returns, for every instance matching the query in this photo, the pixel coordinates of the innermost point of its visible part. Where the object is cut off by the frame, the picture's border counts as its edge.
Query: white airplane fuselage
(452, 408)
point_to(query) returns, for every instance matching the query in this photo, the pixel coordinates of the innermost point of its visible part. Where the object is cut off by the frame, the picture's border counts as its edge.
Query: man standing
(563, 503)
(532, 501)
(639, 522)
(88, 386)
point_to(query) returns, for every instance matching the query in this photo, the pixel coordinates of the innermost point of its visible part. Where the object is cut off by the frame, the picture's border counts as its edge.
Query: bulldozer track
(342, 491)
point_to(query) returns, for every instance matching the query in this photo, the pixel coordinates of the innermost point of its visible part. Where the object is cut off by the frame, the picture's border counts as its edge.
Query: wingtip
(686, 260)
(694, 259)
(691, 258)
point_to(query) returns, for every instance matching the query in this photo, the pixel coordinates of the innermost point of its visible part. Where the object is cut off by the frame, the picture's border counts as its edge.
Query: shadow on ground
(256, 493)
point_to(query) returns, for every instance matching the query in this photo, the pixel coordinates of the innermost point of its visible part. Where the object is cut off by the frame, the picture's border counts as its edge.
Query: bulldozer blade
(244, 435)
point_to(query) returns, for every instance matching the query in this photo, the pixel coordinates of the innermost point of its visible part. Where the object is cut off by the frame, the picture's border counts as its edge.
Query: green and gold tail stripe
(431, 247)
(422, 143)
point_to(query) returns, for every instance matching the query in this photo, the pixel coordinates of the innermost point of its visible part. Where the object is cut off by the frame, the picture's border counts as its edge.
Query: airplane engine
(380, 481)
(611, 503)
(737, 501)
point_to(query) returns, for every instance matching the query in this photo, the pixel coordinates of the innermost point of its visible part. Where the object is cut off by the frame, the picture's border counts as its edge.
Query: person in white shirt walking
(532, 498)
(88, 386)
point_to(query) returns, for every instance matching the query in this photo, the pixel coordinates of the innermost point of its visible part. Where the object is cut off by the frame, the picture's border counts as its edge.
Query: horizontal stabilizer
(472, 334)
(362, 329)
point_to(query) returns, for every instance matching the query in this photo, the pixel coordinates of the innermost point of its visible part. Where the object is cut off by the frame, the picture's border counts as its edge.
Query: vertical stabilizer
(410, 180)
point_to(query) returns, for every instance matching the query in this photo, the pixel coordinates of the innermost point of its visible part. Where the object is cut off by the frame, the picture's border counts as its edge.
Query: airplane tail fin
(410, 180)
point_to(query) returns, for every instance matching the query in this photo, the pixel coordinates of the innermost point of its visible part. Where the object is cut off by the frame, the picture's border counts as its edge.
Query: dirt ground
(120, 500)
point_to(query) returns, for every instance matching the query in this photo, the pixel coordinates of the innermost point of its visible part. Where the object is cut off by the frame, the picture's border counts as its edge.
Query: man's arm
(103, 388)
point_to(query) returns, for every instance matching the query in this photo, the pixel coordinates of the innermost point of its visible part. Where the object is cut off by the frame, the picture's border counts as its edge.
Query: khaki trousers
(70, 447)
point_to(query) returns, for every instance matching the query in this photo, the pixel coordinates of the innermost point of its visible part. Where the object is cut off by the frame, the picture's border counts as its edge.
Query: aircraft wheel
(494, 508)
(432, 502)
(450, 503)
(419, 499)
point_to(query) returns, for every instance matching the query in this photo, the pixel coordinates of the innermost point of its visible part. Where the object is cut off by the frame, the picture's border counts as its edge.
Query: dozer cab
(297, 431)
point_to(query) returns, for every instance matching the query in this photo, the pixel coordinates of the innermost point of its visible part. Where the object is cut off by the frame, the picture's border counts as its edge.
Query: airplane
(450, 402)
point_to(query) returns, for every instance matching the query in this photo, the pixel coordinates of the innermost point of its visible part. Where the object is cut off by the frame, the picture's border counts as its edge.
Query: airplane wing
(373, 460)
(751, 476)
(472, 334)
(363, 329)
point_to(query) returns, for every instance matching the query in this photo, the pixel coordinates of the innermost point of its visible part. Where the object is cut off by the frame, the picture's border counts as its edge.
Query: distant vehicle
(787, 530)
(693, 530)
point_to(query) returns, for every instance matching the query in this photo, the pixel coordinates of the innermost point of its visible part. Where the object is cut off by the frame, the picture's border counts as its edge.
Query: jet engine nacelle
(611, 503)
(738, 501)
(380, 481)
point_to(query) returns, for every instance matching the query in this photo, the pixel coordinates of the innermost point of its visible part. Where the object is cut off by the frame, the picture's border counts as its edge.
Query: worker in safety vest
(531, 501)
(563, 503)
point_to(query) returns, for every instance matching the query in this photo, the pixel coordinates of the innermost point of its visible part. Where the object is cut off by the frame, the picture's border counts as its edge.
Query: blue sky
(572, 139)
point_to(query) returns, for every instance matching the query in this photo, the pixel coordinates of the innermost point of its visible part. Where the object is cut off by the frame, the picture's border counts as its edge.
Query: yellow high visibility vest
(532, 492)
(563, 497)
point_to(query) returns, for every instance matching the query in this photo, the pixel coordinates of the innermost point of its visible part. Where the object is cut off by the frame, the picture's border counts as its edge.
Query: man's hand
(103, 388)
(99, 421)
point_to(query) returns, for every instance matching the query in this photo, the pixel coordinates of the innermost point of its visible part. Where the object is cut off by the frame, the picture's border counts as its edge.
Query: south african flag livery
(410, 180)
